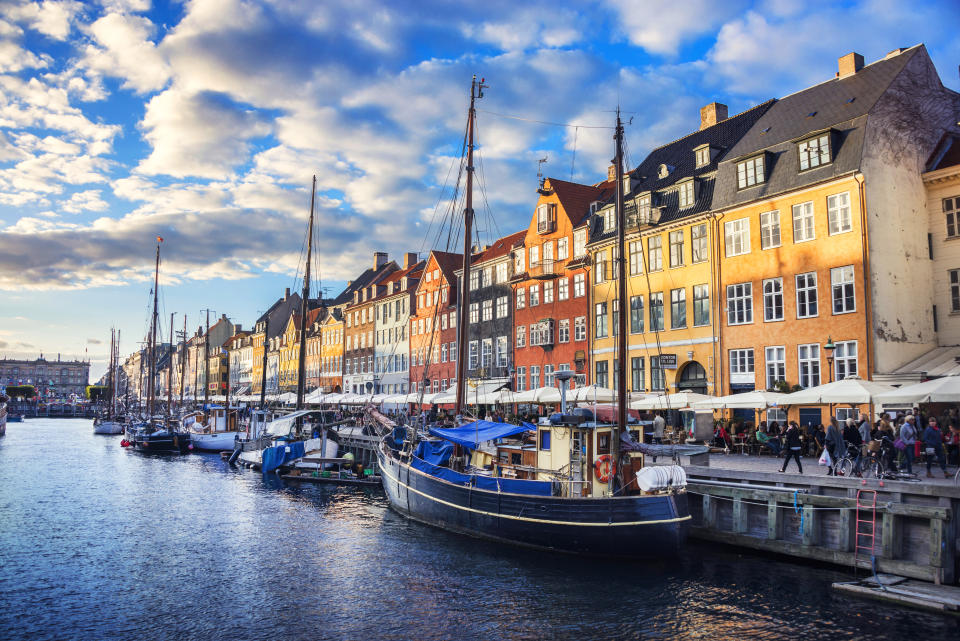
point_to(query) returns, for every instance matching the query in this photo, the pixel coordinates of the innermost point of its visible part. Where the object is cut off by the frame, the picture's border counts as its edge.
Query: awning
(748, 400)
(284, 424)
(852, 390)
(472, 434)
(940, 361)
(676, 401)
(938, 390)
(592, 394)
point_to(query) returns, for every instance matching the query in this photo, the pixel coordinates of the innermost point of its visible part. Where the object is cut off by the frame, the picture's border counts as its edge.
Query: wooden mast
(305, 305)
(263, 369)
(170, 373)
(183, 362)
(621, 268)
(110, 377)
(206, 364)
(152, 345)
(476, 92)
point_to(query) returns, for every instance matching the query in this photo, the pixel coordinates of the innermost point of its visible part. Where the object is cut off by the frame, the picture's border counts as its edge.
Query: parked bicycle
(853, 464)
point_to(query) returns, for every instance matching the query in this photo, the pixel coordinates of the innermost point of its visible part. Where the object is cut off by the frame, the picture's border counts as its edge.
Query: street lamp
(829, 347)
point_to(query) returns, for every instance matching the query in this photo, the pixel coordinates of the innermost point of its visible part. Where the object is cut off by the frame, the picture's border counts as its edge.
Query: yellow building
(289, 349)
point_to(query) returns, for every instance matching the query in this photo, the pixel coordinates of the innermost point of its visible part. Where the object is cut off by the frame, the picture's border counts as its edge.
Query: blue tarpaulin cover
(472, 434)
(514, 486)
(436, 453)
(444, 473)
(274, 457)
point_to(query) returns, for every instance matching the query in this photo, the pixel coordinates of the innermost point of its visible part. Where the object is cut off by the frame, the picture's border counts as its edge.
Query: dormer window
(702, 155)
(685, 194)
(750, 172)
(546, 218)
(814, 151)
(609, 219)
(664, 171)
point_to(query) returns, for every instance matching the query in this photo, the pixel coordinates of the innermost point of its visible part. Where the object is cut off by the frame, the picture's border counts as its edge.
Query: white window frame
(740, 304)
(579, 285)
(951, 212)
(521, 336)
(503, 306)
(808, 364)
(772, 300)
(953, 277)
(750, 172)
(741, 361)
(486, 310)
(548, 292)
(474, 313)
(804, 223)
(676, 248)
(579, 243)
(845, 362)
(563, 289)
(701, 295)
(699, 243)
(503, 352)
(770, 229)
(775, 358)
(563, 331)
(580, 328)
(736, 237)
(839, 218)
(843, 289)
(600, 317)
(814, 152)
(804, 296)
(655, 253)
(685, 194)
(563, 248)
(534, 295)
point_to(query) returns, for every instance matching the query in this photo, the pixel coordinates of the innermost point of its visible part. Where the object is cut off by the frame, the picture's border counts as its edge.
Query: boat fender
(604, 467)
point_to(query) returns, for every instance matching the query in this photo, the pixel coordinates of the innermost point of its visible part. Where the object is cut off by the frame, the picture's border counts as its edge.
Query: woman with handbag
(792, 446)
(908, 437)
(933, 444)
(834, 444)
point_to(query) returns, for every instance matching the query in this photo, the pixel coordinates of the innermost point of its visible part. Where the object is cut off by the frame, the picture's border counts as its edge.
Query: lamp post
(829, 347)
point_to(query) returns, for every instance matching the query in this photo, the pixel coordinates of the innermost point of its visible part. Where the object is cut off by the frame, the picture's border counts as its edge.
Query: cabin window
(516, 458)
(603, 442)
(544, 439)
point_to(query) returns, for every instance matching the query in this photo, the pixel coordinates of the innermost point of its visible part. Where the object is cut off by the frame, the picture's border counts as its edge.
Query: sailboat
(155, 434)
(626, 509)
(109, 424)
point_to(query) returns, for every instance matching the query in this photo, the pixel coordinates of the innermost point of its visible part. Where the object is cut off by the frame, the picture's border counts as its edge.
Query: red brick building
(433, 325)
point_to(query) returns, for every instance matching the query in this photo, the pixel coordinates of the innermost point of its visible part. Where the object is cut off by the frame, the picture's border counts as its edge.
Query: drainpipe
(719, 297)
(865, 249)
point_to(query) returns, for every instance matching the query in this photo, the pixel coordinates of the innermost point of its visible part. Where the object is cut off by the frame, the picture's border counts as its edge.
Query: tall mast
(183, 362)
(170, 372)
(622, 305)
(110, 378)
(304, 304)
(206, 364)
(263, 369)
(476, 92)
(152, 372)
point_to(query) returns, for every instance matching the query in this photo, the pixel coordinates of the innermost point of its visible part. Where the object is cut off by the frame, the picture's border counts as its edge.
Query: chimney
(286, 293)
(409, 260)
(849, 65)
(612, 172)
(712, 114)
(379, 260)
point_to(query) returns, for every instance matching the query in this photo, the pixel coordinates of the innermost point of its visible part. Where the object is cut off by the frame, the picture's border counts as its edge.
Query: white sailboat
(109, 424)
(215, 431)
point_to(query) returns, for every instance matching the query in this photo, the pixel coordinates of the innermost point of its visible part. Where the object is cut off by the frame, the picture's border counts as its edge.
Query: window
(518, 258)
(548, 292)
(807, 295)
(487, 310)
(773, 300)
(501, 273)
(521, 298)
(676, 248)
(563, 249)
(814, 152)
(548, 252)
(951, 209)
(579, 285)
(740, 304)
(769, 229)
(776, 365)
(453, 352)
(534, 376)
(614, 263)
(698, 243)
(636, 257)
(563, 288)
(954, 290)
(655, 253)
(453, 319)
(702, 155)
(643, 209)
(443, 353)
(503, 307)
(486, 352)
(809, 360)
(838, 213)
(521, 379)
(841, 282)
(599, 265)
(803, 222)
(545, 218)
(544, 439)
(602, 375)
(616, 316)
(678, 308)
(750, 172)
(600, 328)
(580, 328)
(685, 194)
(564, 334)
(474, 280)
(636, 314)
(736, 237)
(637, 374)
(548, 376)
(521, 336)
(741, 362)
(534, 256)
(701, 305)
(534, 295)
(474, 313)
(657, 379)
(502, 351)
(579, 243)
(845, 359)
(609, 219)
(656, 312)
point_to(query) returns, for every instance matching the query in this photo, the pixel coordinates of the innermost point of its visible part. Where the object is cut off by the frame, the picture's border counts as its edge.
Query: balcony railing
(545, 269)
(546, 226)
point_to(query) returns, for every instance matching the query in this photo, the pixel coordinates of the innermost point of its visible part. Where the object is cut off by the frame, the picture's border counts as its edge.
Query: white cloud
(123, 49)
(662, 26)
(126, 6)
(51, 18)
(14, 58)
(529, 28)
(89, 200)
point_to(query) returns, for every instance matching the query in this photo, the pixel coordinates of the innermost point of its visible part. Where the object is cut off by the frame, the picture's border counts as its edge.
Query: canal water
(98, 542)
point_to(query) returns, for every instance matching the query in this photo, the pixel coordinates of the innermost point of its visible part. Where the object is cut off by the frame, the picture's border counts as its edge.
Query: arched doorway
(693, 378)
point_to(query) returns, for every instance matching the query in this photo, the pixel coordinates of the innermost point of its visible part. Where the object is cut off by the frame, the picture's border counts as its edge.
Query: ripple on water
(98, 542)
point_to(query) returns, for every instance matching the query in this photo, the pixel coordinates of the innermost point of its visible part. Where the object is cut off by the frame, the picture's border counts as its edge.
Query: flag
(159, 239)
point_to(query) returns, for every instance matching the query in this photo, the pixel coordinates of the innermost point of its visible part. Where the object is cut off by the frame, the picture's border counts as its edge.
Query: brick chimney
(379, 259)
(849, 65)
(409, 260)
(712, 114)
(286, 293)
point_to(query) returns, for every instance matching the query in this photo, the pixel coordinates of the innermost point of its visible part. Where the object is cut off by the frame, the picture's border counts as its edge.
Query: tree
(785, 388)
(21, 391)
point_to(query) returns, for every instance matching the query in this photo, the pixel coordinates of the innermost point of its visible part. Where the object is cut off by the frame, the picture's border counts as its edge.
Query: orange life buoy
(604, 467)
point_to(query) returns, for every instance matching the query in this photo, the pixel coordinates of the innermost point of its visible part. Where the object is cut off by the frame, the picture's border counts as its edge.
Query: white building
(392, 309)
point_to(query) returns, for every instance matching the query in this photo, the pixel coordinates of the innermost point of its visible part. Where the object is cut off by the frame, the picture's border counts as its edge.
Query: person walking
(908, 434)
(834, 444)
(933, 444)
(659, 424)
(792, 447)
(864, 429)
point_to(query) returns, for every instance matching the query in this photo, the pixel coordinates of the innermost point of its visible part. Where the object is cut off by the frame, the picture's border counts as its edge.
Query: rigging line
(543, 122)
(486, 203)
(573, 160)
(443, 190)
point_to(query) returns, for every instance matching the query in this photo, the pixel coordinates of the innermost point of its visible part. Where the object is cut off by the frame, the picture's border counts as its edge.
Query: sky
(203, 121)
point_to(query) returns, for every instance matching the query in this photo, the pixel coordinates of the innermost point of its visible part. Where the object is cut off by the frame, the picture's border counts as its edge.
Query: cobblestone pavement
(768, 463)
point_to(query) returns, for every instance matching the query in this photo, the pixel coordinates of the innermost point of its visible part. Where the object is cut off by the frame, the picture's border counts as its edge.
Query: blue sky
(203, 121)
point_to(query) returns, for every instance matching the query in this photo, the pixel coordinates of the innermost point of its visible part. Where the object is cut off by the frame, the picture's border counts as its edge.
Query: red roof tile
(576, 198)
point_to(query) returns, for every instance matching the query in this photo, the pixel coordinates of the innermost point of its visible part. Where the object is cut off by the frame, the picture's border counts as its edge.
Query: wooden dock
(903, 591)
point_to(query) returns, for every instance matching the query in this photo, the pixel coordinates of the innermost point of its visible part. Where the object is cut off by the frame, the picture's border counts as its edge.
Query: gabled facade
(550, 283)
(360, 328)
(392, 311)
(331, 351)
(433, 326)
(274, 321)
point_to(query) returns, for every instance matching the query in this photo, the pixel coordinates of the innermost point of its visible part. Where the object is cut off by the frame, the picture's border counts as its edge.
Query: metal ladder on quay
(866, 527)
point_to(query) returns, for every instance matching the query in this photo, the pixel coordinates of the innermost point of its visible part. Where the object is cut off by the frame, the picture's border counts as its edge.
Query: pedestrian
(933, 446)
(659, 424)
(818, 439)
(953, 444)
(908, 434)
(833, 442)
(792, 447)
(864, 429)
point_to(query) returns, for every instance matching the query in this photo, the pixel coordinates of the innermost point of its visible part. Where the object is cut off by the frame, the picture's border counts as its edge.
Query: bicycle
(854, 464)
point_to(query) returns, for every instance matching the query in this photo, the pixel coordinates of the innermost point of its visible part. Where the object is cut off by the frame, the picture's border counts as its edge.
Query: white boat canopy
(540, 395)
(284, 424)
(937, 390)
(758, 400)
(852, 390)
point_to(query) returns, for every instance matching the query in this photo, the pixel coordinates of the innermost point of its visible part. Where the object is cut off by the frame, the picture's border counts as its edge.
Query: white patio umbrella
(503, 397)
(287, 398)
(542, 395)
(937, 390)
(757, 400)
(333, 398)
(591, 393)
(676, 401)
(852, 390)
(316, 396)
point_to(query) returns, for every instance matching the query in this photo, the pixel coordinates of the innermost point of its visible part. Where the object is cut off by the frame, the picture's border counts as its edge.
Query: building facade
(52, 379)
(433, 325)
(360, 329)
(392, 311)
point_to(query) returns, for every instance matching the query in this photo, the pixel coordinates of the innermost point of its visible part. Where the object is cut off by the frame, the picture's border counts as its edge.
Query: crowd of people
(899, 439)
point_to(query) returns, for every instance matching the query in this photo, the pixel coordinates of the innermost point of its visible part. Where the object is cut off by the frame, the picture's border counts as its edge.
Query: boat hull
(108, 427)
(14, 418)
(213, 442)
(641, 526)
(162, 442)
